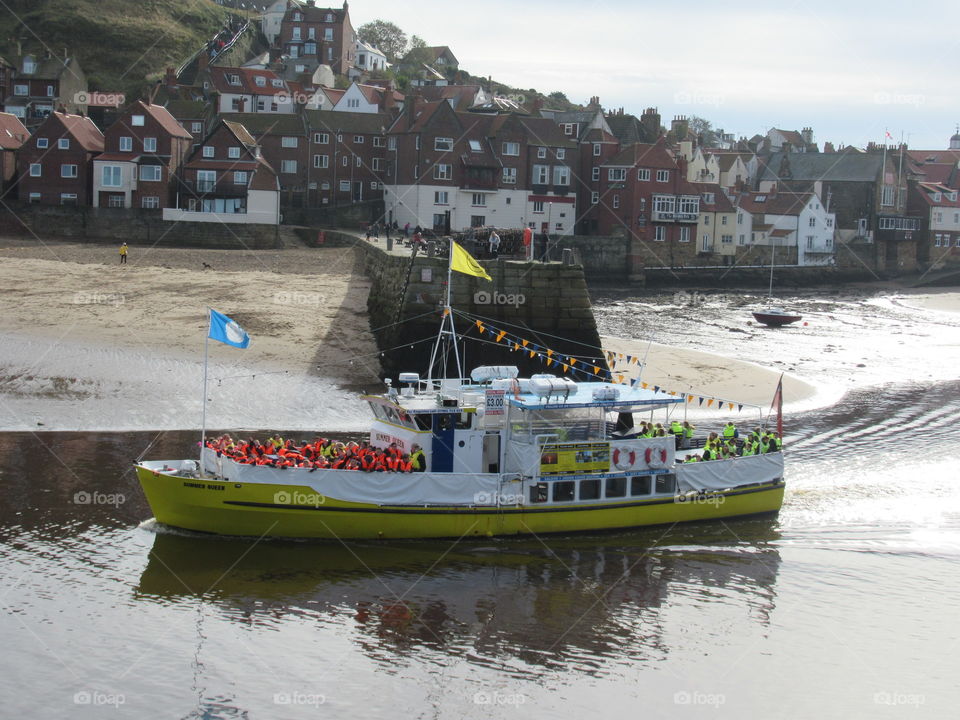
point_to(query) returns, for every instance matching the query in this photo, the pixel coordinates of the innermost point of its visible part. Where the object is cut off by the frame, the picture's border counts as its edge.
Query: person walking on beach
(123, 254)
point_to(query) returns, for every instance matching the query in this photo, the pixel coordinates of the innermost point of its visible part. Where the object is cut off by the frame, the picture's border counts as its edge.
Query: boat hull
(775, 319)
(251, 509)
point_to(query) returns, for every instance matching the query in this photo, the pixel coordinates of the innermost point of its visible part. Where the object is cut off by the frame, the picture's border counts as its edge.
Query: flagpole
(203, 423)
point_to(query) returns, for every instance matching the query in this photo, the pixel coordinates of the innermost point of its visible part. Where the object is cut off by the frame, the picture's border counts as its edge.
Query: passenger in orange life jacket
(367, 462)
(404, 464)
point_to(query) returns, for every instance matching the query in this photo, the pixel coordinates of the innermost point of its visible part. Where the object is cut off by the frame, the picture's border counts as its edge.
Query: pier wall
(545, 303)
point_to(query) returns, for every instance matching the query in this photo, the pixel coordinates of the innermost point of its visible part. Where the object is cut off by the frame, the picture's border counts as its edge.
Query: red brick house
(13, 134)
(56, 164)
(347, 157)
(44, 84)
(226, 179)
(142, 150)
(318, 36)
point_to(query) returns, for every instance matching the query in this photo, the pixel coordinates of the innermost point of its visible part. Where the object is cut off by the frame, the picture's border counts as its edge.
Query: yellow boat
(504, 456)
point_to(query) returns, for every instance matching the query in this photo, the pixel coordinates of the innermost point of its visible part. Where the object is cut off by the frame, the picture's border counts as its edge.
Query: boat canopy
(595, 394)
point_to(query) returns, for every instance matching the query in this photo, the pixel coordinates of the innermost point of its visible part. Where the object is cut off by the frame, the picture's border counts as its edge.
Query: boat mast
(773, 254)
(445, 336)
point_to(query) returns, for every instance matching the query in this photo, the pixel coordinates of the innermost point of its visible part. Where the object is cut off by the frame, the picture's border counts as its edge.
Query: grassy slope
(117, 42)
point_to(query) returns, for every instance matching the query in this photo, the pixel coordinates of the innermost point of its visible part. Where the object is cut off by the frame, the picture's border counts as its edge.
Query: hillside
(117, 42)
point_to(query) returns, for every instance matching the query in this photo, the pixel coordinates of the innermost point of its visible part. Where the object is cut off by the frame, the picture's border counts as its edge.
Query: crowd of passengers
(319, 454)
(728, 444)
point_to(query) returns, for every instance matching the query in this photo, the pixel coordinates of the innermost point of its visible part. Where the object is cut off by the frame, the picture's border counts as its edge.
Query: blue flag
(225, 330)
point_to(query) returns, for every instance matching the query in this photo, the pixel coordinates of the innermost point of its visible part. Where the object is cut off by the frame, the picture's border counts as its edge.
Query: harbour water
(843, 606)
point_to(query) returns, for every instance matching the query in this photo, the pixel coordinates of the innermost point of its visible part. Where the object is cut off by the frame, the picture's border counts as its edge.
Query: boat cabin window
(465, 420)
(640, 485)
(616, 487)
(538, 493)
(563, 491)
(392, 414)
(589, 489)
(567, 425)
(666, 483)
(423, 422)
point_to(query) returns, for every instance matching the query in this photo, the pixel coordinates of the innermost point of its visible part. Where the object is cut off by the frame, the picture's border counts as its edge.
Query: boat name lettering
(202, 486)
(388, 438)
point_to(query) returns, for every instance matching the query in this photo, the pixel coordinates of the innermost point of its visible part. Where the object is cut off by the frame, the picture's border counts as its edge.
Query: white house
(369, 58)
(788, 219)
(252, 90)
(272, 18)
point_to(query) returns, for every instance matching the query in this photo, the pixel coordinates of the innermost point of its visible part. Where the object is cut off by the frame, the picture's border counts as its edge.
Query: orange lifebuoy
(648, 455)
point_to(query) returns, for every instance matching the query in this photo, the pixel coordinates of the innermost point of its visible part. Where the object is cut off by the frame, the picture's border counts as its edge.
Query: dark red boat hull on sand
(774, 319)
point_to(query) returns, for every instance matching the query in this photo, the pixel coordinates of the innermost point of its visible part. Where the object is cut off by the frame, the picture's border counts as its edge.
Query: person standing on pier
(123, 254)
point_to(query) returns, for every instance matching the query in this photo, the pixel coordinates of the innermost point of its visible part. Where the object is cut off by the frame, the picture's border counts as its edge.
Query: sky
(851, 70)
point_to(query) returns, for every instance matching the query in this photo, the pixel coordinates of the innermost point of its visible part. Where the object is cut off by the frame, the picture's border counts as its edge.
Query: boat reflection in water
(571, 602)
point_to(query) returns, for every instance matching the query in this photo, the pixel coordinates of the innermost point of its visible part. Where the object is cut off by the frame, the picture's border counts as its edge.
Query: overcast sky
(850, 69)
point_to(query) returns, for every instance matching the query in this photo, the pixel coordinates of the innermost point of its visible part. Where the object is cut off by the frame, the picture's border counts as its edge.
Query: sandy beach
(88, 344)
(941, 301)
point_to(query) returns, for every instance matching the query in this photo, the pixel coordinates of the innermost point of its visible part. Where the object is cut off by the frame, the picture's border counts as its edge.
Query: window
(665, 483)
(288, 142)
(511, 148)
(391, 143)
(640, 485)
(43, 143)
(809, 242)
(68, 198)
(68, 171)
(541, 174)
(378, 141)
(34, 197)
(596, 149)
(233, 79)
(616, 487)
(260, 81)
(685, 234)
(739, 218)
(196, 128)
(34, 169)
(288, 166)
(939, 239)
(478, 220)
(353, 102)
(377, 163)
(440, 197)
(589, 489)
(538, 206)
(594, 198)
(151, 173)
(743, 239)
(309, 48)
(321, 138)
(664, 203)
(63, 144)
(709, 198)
(561, 175)
(813, 222)
(208, 151)
(723, 219)
(346, 161)
(136, 120)
(358, 139)
(475, 146)
(111, 176)
(563, 491)
(442, 171)
(663, 176)
(643, 175)
(561, 153)
(328, 35)
(358, 161)
(479, 200)
(49, 90)
(206, 180)
(887, 197)
(659, 233)
(617, 174)
(416, 142)
(126, 144)
(705, 243)
(616, 202)
(691, 206)
(706, 219)
(443, 144)
(509, 176)
(344, 186)
(374, 185)
(727, 239)
(20, 90)
(233, 153)
(541, 152)
(595, 174)
(150, 202)
(321, 161)
(240, 177)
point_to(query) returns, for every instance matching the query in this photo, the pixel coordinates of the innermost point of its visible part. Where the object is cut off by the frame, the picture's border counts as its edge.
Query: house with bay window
(226, 180)
(55, 164)
(142, 150)
(792, 220)
(449, 170)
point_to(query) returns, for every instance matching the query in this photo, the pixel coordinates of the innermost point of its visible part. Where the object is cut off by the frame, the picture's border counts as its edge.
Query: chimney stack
(170, 78)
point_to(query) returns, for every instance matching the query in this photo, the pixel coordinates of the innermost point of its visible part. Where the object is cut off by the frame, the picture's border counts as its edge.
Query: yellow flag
(463, 262)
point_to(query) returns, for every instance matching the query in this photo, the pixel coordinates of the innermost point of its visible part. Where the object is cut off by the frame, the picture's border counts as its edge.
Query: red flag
(777, 405)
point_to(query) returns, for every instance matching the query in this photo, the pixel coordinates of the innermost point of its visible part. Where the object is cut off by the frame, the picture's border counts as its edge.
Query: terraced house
(142, 150)
(318, 36)
(56, 163)
(226, 179)
(450, 170)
